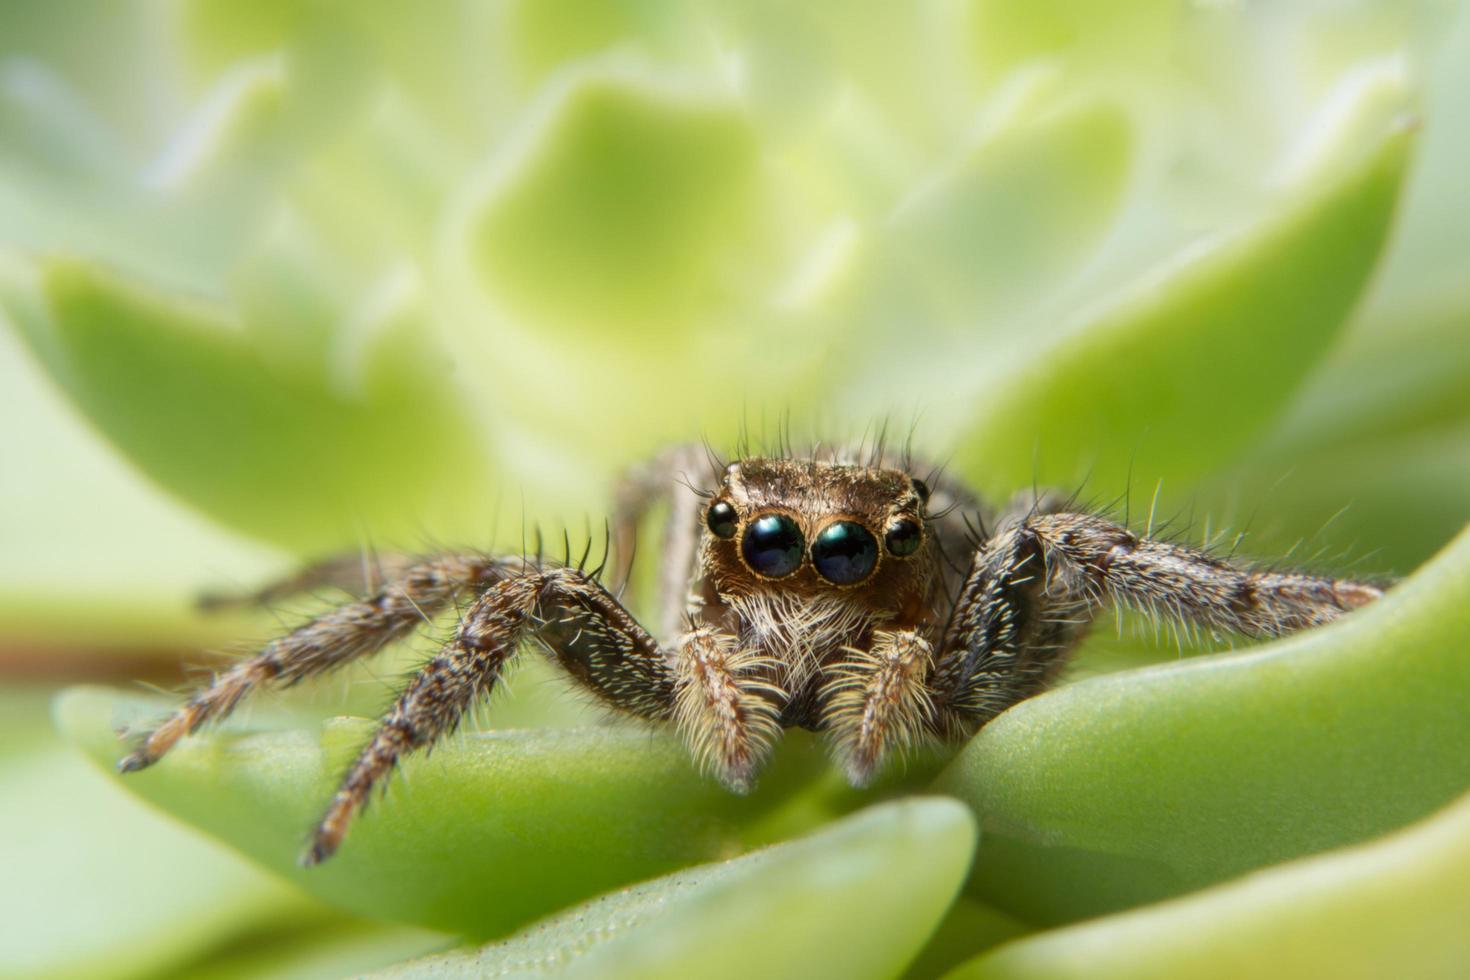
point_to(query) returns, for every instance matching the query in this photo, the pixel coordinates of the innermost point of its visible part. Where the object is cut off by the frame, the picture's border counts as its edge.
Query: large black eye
(845, 553)
(773, 545)
(722, 519)
(903, 537)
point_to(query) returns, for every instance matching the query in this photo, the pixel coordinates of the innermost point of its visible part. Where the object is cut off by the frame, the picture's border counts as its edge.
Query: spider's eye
(922, 489)
(845, 552)
(903, 537)
(722, 519)
(773, 545)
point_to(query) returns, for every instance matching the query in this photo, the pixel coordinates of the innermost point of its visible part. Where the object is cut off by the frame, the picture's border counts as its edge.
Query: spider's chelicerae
(835, 593)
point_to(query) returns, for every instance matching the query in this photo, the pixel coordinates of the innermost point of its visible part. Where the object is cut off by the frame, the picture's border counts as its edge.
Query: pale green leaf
(1395, 907)
(1189, 364)
(620, 214)
(1139, 785)
(376, 443)
(488, 832)
(1015, 216)
(100, 885)
(856, 899)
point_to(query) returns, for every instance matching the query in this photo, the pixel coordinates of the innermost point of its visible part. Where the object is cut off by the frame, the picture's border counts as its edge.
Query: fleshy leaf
(967, 928)
(69, 495)
(318, 951)
(1135, 786)
(377, 443)
(1393, 907)
(488, 832)
(1405, 494)
(1016, 215)
(621, 213)
(1007, 33)
(855, 900)
(100, 885)
(1187, 366)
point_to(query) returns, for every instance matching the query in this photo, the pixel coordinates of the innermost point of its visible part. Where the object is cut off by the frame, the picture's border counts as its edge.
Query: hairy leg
(725, 708)
(1037, 584)
(1103, 560)
(358, 575)
(607, 649)
(665, 477)
(331, 640)
(877, 700)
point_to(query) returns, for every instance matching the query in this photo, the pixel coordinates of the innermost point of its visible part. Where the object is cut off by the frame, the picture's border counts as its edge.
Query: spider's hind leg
(669, 476)
(329, 641)
(356, 574)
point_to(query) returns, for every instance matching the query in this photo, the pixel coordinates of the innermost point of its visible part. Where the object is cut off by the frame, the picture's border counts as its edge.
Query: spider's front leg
(1035, 587)
(574, 618)
(418, 591)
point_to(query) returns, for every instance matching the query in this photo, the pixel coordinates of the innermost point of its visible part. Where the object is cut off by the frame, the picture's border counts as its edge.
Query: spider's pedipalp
(878, 699)
(332, 640)
(725, 707)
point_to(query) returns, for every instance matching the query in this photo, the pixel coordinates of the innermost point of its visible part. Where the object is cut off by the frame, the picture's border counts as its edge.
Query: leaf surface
(856, 899)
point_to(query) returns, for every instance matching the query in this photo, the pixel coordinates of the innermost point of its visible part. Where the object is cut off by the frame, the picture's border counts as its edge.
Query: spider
(837, 592)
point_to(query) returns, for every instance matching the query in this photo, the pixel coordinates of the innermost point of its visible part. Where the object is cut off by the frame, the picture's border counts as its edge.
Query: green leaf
(621, 213)
(488, 832)
(1188, 365)
(316, 951)
(1394, 907)
(1015, 216)
(1404, 495)
(69, 494)
(1004, 34)
(1136, 786)
(374, 442)
(855, 900)
(968, 927)
(100, 885)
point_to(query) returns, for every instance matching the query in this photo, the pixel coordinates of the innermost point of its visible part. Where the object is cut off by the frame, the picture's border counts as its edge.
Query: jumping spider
(836, 594)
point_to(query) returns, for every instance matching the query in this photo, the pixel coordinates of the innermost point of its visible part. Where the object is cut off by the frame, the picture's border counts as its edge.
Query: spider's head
(805, 526)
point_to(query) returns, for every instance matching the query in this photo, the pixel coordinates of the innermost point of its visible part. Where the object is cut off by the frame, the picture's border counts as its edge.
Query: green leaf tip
(1179, 373)
(620, 212)
(293, 457)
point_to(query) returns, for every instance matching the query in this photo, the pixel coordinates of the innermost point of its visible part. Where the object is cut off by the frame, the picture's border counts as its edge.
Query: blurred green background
(285, 279)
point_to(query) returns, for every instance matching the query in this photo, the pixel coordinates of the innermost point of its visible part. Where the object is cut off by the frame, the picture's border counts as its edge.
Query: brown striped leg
(570, 614)
(668, 476)
(331, 640)
(878, 700)
(359, 575)
(1008, 635)
(1035, 586)
(1104, 560)
(726, 709)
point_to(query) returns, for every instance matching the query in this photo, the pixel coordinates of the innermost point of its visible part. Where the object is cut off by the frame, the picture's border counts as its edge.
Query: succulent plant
(283, 278)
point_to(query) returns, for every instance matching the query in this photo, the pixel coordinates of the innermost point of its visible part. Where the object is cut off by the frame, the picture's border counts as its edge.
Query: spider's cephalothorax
(842, 595)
